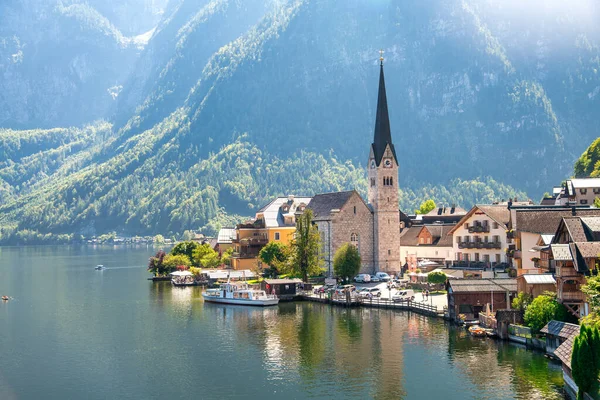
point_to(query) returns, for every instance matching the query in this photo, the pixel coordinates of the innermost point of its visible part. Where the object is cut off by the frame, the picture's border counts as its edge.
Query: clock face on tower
(372, 163)
(387, 163)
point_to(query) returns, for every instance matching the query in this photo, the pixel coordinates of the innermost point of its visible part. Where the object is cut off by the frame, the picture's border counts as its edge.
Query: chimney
(509, 204)
(291, 198)
(574, 211)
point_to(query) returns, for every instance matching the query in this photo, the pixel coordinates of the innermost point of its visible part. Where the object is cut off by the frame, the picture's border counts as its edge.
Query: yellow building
(275, 222)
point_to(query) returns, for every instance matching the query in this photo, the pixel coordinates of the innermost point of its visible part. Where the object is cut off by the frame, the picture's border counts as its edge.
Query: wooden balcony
(479, 229)
(576, 296)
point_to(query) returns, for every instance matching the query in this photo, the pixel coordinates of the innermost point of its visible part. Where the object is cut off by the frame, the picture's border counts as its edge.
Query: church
(373, 226)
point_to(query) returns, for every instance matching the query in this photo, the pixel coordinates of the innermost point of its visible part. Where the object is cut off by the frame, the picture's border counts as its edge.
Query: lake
(72, 332)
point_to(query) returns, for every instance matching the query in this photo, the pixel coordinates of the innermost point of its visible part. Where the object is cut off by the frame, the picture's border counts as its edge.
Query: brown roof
(283, 281)
(440, 211)
(498, 213)
(564, 351)
(439, 232)
(560, 329)
(546, 221)
(589, 249)
(323, 204)
(592, 223)
(575, 229)
(483, 285)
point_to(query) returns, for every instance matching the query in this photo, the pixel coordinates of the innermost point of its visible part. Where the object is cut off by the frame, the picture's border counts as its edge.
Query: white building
(479, 239)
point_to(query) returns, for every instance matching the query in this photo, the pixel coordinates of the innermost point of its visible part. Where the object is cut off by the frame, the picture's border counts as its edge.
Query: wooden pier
(417, 307)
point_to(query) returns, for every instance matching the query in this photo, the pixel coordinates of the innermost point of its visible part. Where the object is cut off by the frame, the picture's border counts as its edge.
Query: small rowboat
(5, 298)
(477, 331)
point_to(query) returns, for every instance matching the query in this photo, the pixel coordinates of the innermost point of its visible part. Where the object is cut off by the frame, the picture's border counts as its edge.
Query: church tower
(383, 189)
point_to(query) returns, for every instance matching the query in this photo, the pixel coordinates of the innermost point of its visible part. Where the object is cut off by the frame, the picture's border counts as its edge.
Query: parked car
(383, 277)
(375, 292)
(341, 289)
(324, 288)
(364, 278)
(374, 278)
(404, 295)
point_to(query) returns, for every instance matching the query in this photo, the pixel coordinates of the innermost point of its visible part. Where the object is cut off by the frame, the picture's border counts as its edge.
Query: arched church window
(354, 239)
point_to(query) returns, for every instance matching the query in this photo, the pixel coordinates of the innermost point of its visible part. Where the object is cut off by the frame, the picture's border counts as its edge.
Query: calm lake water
(75, 333)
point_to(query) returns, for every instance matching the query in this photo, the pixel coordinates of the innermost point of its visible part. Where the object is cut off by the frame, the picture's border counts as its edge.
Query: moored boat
(477, 331)
(99, 267)
(240, 294)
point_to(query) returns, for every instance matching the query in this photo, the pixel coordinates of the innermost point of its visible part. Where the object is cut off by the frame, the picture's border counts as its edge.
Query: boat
(99, 267)
(477, 331)
(5, 298)
(240, 294)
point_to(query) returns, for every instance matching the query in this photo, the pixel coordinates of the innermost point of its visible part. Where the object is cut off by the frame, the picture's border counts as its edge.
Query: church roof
(322, 204)
(383, 133)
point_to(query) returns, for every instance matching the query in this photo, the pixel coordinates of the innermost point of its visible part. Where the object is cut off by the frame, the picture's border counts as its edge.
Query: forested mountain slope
(233, 102)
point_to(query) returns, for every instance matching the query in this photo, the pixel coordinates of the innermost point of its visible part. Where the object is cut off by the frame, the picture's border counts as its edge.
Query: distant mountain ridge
(231, 102)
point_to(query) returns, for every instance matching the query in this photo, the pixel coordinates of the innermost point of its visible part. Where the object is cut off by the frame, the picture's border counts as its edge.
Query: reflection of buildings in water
(390, 371)
(281, 347)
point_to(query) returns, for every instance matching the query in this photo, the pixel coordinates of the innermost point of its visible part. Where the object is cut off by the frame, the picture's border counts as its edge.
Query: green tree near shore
(185, 248)
(276, 255)
(585, 361)
(591, 289)
(172, 261)
(205, 256)
(544, 309)
(522, 300)
(305, 246)
(156, 263)
(346, 261)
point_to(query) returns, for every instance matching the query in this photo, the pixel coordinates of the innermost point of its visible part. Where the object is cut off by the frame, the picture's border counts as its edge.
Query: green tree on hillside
(305, 247)
(588, 165)
(226, 257)
(426, 206)
(346, 261)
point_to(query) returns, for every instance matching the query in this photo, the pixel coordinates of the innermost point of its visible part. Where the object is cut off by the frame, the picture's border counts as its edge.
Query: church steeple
(383, 134)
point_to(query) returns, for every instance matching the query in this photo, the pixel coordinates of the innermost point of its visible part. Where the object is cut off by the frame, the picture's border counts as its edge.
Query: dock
(354, 301)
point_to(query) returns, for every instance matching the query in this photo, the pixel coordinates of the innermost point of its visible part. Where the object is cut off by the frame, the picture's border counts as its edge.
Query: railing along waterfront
(377, 302)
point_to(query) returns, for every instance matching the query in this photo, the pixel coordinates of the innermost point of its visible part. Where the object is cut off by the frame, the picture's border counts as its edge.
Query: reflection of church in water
(374, 227)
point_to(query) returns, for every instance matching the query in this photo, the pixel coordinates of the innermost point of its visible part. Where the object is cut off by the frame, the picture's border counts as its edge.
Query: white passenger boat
(240, 294)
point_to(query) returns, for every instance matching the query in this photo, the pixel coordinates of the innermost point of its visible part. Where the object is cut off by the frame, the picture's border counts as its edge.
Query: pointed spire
(383, 134)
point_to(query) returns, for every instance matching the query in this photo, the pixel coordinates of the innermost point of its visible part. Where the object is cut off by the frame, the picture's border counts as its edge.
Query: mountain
(63, 62)
(230, 103)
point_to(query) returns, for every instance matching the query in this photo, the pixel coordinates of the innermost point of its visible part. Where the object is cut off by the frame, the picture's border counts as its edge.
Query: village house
(479, 238)
(581, 191)
(225, 240)
(373, 226)
(444, 215)
(528, 224)
(470, 296)
(536, 284)
(275, 222)
(429, 242)
(574, 249)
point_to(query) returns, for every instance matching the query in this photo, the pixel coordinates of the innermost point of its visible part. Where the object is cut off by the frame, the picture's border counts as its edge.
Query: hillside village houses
(580, 191)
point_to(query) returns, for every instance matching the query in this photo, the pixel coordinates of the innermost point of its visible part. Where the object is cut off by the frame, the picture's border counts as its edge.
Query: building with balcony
(275, 222)
(581, 191)
(479, 238)
(574, 250)
(528, 224)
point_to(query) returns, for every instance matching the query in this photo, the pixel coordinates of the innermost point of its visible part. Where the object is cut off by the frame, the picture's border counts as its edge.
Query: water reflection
(113, 334)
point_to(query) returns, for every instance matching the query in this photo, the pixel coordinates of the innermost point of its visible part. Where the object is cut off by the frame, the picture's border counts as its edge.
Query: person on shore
(427, 293)
(423, 294)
